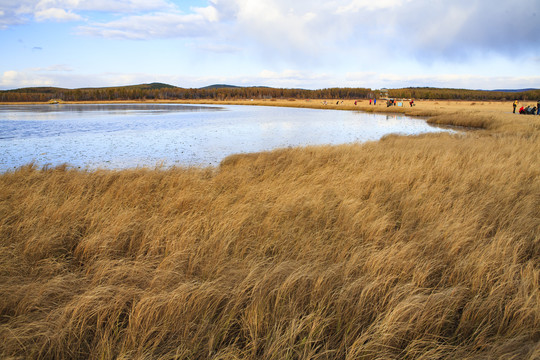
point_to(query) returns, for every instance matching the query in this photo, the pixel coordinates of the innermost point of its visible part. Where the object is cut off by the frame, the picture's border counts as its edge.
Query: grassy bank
(424, 247)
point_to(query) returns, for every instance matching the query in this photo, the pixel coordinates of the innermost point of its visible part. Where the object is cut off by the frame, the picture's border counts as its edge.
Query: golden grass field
(423, 247)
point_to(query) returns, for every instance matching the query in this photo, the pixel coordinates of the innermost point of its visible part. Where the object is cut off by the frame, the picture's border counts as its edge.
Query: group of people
(393, 102)
(529, 110)
(390, 102)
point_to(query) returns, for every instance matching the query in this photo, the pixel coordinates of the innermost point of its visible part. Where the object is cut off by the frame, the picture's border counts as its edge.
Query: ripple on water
(118, 136)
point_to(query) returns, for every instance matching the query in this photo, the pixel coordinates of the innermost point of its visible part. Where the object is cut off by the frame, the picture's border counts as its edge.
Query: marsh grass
(424, 247)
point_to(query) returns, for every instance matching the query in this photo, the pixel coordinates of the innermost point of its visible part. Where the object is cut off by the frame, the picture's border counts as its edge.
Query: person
(538, 107)
(521, 110)
(515, 105)
(369, 101)
(374, 101)
(355, 102)
(411, 102)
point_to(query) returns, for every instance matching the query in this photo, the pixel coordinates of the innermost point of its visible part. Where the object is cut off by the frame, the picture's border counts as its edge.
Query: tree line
(157, 91)
(463, 94)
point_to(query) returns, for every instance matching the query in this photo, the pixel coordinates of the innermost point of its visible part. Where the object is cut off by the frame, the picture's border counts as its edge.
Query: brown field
(424, 247)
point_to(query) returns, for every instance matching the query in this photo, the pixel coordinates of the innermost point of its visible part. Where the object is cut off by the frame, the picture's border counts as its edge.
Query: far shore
(488, 115)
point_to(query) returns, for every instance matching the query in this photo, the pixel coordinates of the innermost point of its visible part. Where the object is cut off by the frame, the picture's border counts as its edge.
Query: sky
(311, 44)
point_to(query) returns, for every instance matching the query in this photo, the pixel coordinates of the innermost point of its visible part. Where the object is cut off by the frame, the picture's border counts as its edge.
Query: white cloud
(52, 68)
(117, 6)
(64, 76)
(157, 25)
(56, 14)
(15, 79)
(22, 11)
(467, 81)
(209, 13)
(308, 29)
(218, 48)
(53, 75)
(42, 77)
(370, 5)
(291, 75)
(123, 6)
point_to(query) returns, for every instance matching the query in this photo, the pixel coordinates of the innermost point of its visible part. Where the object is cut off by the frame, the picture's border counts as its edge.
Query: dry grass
(423, 247)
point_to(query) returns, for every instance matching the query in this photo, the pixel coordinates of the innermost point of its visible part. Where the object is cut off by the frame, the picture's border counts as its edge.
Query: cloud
(56, 14)
(53, 75)
(12, 79)
(52, 68)
(424, 29)
(291, 74)
(317, 36)
(64, 76)
(369, 5)
(466, 81)
(119, 6)
(35, 77)
(312, 30)
(23, 11)
(155, 25)
(218, 48)
(462, 28)
(283, 29)
(209, 13)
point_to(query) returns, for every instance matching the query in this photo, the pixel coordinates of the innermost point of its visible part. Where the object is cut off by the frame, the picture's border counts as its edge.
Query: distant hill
(514, 90)
(151, 86)
(220, 86)
(48, 90)
(155, 85)
(41, 90)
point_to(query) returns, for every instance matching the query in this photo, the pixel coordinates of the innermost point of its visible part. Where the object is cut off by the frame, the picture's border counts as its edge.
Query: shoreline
(486, 115)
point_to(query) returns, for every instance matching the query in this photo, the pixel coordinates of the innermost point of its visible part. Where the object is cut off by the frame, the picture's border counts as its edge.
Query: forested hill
(160, 91)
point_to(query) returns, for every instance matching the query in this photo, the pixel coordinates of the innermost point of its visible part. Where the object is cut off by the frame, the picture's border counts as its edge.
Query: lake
(117, 136)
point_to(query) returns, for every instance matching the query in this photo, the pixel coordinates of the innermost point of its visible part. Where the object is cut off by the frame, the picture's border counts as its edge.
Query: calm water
(131, 135)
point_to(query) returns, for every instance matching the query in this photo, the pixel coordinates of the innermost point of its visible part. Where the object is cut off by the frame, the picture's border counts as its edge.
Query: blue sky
(476, 44)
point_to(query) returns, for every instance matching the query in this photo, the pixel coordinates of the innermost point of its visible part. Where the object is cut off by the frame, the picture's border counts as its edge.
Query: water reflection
(104, 108)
